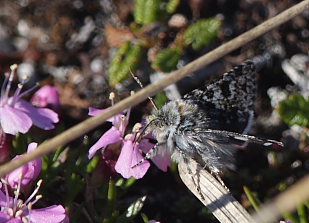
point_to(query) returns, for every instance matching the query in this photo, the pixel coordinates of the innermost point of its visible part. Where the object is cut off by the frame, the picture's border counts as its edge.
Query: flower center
(6, 87)
(16, 208)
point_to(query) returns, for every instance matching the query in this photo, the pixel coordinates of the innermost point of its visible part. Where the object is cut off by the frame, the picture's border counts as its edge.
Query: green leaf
(288, 216)
(74, 184)
(125, 60)
(111, 199)
(166, 60)
(132, 210)
(139, 11)
(295, 110)
(172, 6)
(160, 99)
(302, 213)
(202, 33)
(92, 164)
(147, 11)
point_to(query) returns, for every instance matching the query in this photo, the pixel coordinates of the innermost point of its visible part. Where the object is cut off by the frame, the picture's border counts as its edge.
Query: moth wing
(236, 89)
(216, 148)
(211, 150)
(240, 139)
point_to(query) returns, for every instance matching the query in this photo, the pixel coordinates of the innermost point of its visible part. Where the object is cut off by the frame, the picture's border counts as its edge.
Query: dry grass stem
(212, 194)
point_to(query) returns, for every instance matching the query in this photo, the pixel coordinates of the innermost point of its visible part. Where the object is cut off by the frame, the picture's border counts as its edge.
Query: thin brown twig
(91, 123)
(285, 202)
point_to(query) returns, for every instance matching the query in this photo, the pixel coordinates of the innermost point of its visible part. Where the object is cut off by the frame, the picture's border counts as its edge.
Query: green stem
(252, 198)
(111, 198)
(302, 213)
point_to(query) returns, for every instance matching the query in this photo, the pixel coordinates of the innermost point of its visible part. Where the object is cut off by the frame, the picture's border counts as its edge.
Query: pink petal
(29, 171)
(14, 177)
(41, 117)
(34, 166)
(4, 218)
(52, 214)
(94, 112)
(46, 95)
(14, 220)
(14, 121)
(113, 135)
(31, 147)
(128, 157)
(162, 159)
(2, 199)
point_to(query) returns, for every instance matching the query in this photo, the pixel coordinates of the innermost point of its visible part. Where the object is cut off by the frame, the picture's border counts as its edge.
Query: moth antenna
(151, 153)
(142, 132)
(141, 85)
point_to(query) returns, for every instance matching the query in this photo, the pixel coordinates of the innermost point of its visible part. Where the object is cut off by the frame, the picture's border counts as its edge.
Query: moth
(210, 123)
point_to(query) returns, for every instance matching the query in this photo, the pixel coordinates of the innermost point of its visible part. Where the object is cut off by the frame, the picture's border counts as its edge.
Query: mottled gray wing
(229, 99)
(235, 89)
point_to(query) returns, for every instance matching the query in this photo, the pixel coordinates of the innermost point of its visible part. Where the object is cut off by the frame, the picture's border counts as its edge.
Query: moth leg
(151, 153)
(215, 172)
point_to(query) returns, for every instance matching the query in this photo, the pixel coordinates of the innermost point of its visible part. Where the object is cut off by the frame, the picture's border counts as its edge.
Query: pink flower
(15, 210)
(27, 173)
(130, 155)
(113, 135)
(132, 145)
(17, 115)
(46, 96)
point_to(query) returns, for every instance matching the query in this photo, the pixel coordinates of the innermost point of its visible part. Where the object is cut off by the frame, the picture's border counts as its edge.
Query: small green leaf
(147, 11)
(288, 216)
(166, 60)
(74, 184)
(132, 210)
(125, 60)
(160, 99)
(111, 199)
(129, 182)
(92, 164)
(172, 6)
(144, 217)
(295, 110)
(202, 33)
(139, 11)
(302, 213)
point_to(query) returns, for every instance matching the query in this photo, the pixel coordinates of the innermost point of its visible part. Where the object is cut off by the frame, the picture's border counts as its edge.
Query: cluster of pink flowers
(15, 210)
(17, 116)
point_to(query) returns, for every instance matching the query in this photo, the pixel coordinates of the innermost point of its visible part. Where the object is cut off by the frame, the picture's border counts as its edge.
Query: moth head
(168, 116)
